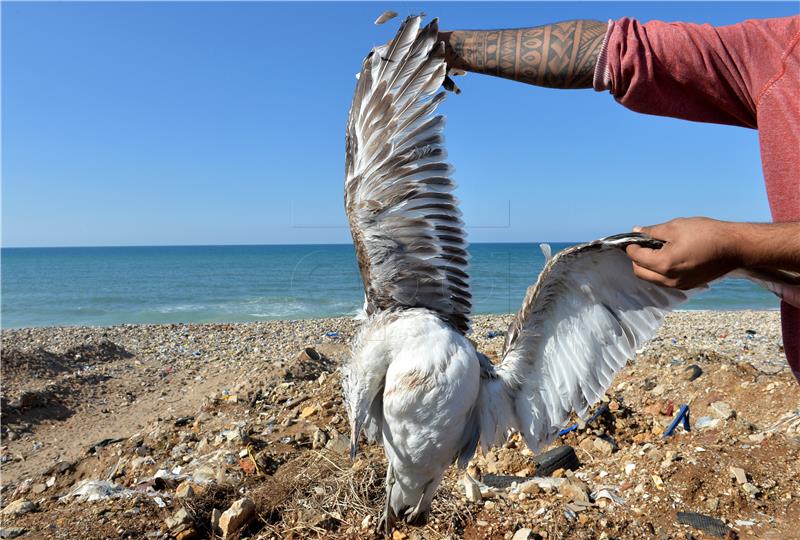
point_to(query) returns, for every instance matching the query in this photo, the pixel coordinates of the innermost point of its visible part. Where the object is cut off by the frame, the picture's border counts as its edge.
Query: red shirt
(746, 74)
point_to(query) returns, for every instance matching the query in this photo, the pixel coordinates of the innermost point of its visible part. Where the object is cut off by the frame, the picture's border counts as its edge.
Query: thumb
(641, 229)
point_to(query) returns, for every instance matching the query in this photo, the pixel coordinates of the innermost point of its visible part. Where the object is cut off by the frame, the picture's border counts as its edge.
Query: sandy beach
(144, 431)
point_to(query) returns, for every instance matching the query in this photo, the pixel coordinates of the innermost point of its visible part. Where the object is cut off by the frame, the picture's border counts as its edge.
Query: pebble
(739, 474)
(18, 507)
(234, 518)
(522, 534)
(722, 410)
(12, 532)
(472, 490)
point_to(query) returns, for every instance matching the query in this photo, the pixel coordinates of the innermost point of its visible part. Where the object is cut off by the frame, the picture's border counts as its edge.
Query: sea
(100, 286)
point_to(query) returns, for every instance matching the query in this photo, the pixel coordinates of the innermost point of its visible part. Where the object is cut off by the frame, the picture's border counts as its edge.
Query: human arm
(699, 250)
(559, 55)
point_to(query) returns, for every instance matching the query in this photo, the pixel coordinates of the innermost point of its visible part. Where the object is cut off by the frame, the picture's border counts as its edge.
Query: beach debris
(692, 372)
(706, 422)
(722, 410)
(12, 532)
(386, 16)
(18, 507)
(707, 524)
(608, 494)
(236, 516)
(561, 457)
(581, 424)
(97, 490)
(102, 444)
(681, 417)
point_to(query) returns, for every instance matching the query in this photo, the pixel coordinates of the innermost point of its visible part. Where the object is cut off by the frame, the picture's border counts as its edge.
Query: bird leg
(413, 513)
(388, 518)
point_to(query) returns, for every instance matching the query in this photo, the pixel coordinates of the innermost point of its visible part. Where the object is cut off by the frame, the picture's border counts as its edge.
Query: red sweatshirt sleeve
(691, 71)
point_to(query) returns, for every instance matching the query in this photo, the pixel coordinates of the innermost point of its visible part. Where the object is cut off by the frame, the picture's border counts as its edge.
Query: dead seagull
(415, 383)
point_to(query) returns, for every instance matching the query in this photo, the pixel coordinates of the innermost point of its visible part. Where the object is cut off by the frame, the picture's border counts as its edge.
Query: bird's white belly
(431, 388)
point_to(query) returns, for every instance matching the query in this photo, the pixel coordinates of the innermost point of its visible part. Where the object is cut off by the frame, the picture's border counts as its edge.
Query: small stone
(558, 473)
(629, 468)
(739, 474)
(38, 489)
(722, 410)
(185, 490)
(471, 489)
(489, 505)
(604, 445)
(238, 515)
(522, 534)
(12, 532)
(186, 534)
(308, 411)
(399, 535)
(575, 491)
(247, 466)
(750, 489)
(366, 523)
(215, 515)
(18, 507)
(177, 519)
(658, 390)
(338, 443)
(657, 481)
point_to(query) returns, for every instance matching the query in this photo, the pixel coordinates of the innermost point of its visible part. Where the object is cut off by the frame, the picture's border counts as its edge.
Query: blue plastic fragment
(683, 414)
(591, 419)
(332, 334)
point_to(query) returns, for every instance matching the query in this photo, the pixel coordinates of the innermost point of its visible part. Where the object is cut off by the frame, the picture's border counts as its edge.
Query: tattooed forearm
(561, 55)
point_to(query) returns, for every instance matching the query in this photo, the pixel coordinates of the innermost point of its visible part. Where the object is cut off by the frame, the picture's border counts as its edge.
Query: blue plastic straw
(683, 414)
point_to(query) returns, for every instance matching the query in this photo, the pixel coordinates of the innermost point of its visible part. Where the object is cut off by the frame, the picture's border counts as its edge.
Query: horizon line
(253, 245)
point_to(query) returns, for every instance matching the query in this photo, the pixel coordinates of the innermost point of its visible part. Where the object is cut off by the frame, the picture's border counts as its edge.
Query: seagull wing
(585, 316)
(406, 226)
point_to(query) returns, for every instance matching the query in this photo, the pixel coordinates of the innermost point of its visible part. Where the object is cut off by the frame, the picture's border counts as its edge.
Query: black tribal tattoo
(561, 55)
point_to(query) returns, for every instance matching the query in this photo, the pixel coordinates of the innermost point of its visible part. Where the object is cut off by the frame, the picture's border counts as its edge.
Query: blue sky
(208, 123)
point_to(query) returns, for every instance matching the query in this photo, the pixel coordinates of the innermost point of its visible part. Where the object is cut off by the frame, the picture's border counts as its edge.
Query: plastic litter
(683, 415)
(603, 408)
(707, 524)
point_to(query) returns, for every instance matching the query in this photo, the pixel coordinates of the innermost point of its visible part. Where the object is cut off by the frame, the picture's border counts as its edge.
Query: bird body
(415, 383)
(425, 403)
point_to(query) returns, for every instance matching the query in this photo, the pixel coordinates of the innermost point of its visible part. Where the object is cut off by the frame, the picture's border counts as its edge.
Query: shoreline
(473, 317)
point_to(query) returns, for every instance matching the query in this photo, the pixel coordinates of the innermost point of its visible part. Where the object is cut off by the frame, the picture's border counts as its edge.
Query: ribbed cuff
(602, 77)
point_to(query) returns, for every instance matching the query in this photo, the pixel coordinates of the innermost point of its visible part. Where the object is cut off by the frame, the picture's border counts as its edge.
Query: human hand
(697, 250)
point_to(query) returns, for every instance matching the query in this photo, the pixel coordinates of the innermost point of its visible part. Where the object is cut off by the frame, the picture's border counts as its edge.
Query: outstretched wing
(406, 226)
(586, 315)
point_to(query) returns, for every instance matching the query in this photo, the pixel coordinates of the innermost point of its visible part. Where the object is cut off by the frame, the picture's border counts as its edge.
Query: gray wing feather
(406, 226)
(581, 321)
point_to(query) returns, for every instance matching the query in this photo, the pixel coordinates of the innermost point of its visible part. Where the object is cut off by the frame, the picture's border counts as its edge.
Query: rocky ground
(238, 431)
